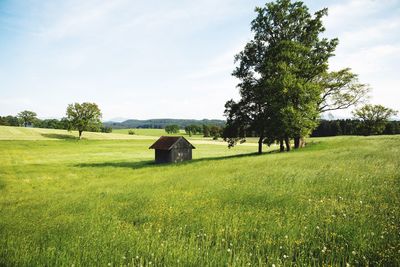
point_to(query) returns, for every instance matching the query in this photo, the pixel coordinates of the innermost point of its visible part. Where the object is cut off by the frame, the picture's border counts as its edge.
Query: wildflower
(137, 257)
(150, 263)
(285, 256)
(353, 252)
(348, 265)
(323, 250)
(317, 227)
(229, 250)
(286, 236)
(360, 201)
(159, 230)
(123, 257)
(223, 239)
(109, 264)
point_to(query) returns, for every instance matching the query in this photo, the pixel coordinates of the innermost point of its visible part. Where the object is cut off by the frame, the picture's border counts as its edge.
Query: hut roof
(168, 142)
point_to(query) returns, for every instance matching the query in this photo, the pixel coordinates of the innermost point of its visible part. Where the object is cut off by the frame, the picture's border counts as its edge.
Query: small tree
(172, 129)
(27, 117)
(374, 118)
(215, 131)
(83, 116)
(206, 130)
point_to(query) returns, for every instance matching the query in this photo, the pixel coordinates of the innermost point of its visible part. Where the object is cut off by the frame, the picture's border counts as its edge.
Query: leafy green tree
(83, 117)
(9, 121)
(278, 70)
(27, 117)
(374, 118)
(172, 129)
(193, 129)
(206, 130)
(216, 131)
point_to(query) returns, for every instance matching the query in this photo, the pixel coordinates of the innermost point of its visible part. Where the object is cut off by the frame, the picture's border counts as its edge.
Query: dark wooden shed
(172, 149)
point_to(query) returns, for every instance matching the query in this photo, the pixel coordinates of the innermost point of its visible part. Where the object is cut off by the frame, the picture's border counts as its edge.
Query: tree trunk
(260, 143)
(287, 142)
(281, 146)
(297, 142)
(80, 135)
(302, 142)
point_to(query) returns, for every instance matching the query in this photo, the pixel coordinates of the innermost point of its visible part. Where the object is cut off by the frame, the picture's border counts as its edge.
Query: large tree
(278, 73)
(83, 117)
(374, 118)
(27, 117)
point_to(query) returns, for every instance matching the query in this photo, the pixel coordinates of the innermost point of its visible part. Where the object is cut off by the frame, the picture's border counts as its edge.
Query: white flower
(229, 250)
(285, 256)
(286, 236)
(353, 252)
(109, 264)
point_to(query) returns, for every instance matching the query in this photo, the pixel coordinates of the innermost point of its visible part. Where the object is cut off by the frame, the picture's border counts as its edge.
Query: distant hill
(160, 123)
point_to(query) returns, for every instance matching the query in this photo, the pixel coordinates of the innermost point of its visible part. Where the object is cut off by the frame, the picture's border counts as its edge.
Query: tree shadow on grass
(59, 136)
(151, 163)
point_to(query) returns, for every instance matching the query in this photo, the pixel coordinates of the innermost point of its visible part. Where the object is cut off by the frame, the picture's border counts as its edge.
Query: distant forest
(161, 123)
(350, 127)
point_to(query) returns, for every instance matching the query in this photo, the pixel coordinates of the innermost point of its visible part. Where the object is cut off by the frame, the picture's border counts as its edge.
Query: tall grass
(104, 203)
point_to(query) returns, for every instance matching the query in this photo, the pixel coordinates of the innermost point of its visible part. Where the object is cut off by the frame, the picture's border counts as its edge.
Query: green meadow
(101, 201)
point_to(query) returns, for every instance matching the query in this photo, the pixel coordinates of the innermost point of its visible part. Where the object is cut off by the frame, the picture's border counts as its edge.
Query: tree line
(214, 131)
(285, 81)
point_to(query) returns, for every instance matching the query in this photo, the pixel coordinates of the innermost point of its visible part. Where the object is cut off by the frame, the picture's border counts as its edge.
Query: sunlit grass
(103, 202)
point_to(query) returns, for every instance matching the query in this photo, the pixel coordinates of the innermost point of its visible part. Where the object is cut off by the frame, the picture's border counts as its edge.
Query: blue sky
(167, 59)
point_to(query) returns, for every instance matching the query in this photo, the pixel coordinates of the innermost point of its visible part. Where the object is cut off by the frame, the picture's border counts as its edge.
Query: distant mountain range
(159, 123)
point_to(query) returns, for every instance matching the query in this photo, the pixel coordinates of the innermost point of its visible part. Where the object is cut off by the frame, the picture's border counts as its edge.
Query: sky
(167, 59)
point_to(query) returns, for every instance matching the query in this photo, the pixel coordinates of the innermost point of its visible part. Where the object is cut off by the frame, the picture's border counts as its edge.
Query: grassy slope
(99, 202)
(21, 133)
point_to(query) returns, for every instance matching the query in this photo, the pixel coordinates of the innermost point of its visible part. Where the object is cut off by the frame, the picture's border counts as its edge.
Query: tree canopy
(84, 117)
(374, 118)
(27, 117)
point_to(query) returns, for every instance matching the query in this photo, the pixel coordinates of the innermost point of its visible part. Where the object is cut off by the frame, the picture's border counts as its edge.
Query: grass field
(103, 202)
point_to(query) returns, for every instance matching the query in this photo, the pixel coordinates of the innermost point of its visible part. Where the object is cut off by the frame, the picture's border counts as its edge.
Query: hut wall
(181, 151)
(162, 156)
(181, 154)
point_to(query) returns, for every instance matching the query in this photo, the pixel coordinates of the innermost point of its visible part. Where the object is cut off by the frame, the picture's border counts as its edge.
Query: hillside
(160, 123)
(104, 203)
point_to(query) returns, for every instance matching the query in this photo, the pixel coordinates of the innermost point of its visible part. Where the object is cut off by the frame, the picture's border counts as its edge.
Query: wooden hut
(172, 149)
